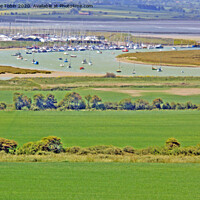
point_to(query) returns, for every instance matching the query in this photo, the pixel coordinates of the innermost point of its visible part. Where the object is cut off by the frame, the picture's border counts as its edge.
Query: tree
(50, 101)
(141, 104)
(95, 101)
(127, 104)
(88, 99)
(71, 101)
(39, 101)
(20, 101)
(3, 106)
(157, 103)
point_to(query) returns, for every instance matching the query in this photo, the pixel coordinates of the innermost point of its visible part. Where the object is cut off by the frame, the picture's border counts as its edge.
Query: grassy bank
(100, 158)
(188, 58)
(15, 70)
(63, 83)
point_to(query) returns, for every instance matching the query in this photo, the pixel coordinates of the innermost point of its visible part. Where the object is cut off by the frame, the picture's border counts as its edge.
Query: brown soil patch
(184, 91)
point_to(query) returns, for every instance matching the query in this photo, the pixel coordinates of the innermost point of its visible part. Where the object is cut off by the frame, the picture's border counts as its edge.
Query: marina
(100, 63)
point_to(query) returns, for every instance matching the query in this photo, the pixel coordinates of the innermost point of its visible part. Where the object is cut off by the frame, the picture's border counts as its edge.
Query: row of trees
(74, 101)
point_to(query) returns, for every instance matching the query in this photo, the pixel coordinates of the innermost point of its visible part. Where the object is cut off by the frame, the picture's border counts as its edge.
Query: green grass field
(42, 181)
(87, 128)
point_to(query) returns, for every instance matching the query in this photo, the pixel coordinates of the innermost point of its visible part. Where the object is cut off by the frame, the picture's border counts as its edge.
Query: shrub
(52, 143)
(173, 105)
(127, 104)
(113, 151)
(7, 145)
(111, 105)
(83, 151)
(72, 150)
(180, 106)
(3, 106)
(99, 149)
(47, 144)
(128, 149)
(172, 143)
(157, 103)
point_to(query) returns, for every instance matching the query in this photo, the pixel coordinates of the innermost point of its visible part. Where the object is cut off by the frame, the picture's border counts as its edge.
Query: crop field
(39, 181)
(178, 58)
(87, 128)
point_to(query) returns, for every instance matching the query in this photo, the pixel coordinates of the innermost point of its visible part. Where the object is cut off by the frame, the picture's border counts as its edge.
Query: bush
(111, 105)
(3, 106)
(127, 104)
(7, 145)
(128, 149)
(47, 144)
(72, 150)
(52, 143)
(157, 103)
(99, 149)
(113, 151)
(172, 143)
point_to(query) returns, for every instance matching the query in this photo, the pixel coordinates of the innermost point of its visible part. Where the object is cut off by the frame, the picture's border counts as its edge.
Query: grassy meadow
(41, 181)
(139, 129)
(178, 58)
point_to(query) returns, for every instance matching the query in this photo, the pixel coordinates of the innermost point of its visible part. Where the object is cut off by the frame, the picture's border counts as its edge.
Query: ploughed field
(176, 58)
(39, 181)
(139, 129)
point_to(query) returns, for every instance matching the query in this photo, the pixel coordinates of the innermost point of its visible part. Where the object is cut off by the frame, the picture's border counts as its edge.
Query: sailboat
(70, 66)
(119, 69)
(134, 71)
(35, 62)
(159, 69)
(84, 61)
(90, 62)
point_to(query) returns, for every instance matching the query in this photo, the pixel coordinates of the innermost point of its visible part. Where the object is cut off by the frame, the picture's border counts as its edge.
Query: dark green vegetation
(53, 144)
(14, 70)
(177, 58)
(39, 181)
(123, 128)
(74, 101)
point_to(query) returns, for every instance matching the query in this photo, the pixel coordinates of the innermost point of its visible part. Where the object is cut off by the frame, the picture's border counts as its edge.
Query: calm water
(154, 26)
(102, 63)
